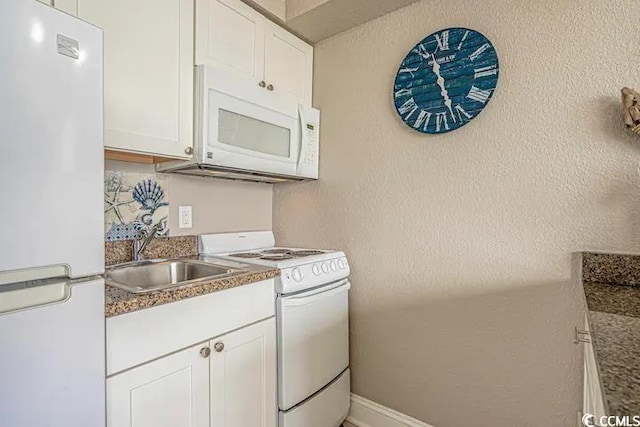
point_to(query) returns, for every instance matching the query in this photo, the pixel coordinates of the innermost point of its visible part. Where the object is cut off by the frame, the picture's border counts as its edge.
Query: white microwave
(248, 133)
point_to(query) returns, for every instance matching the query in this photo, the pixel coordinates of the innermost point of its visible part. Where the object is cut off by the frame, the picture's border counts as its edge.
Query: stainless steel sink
(154, 275)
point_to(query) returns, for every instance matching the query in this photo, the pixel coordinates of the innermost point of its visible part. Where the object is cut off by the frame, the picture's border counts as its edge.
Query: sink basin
(148, 276)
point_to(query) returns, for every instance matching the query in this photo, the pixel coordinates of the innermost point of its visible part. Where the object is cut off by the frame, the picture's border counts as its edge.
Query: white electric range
(312, 318)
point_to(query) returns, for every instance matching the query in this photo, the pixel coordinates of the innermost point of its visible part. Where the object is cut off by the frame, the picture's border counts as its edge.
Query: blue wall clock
(446, 80)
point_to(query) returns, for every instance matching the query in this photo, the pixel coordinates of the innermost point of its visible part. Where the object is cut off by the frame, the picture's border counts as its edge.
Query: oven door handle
(316, 295)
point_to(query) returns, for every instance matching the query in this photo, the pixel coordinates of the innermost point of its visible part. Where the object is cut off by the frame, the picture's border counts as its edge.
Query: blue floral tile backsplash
(135, 203)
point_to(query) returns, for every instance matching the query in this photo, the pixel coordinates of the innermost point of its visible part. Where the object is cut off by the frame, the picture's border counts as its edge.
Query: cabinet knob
(188, 150)
(219, 346)
(270, 87)
(205, 352)
(262, 84)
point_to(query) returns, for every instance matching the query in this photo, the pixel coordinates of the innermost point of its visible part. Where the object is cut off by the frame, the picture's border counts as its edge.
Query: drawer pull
(219, 346)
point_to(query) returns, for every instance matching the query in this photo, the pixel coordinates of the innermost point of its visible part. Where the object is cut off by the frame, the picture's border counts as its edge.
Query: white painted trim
(365, 413)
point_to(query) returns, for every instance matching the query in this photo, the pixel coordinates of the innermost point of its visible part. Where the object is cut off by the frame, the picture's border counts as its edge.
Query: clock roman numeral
(408, 70)
(479, 51)
(491, 70)
(466, 33)
(441, 120)
(403, 92)
(423, 117)
(479, 95)
(443, 40)
(422, 51)
(462, 112)
(409, 107)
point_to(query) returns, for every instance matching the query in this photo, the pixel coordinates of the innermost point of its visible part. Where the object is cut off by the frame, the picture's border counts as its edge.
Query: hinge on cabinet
(581, 336)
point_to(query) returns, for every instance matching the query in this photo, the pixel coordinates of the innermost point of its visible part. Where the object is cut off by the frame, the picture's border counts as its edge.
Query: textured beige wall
(462, 304)
(218, 205)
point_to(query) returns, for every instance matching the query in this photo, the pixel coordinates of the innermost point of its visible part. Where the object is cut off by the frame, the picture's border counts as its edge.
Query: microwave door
(244, 135)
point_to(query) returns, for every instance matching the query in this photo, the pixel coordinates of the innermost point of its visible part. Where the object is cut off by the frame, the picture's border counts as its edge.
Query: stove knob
(333, 266)
(342, 264)
(296, 274)
(325, 267)
(315, 269)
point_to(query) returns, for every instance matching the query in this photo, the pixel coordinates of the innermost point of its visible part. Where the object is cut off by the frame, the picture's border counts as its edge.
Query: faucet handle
(143, 239)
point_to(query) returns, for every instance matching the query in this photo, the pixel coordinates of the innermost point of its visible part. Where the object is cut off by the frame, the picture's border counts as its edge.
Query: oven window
(252, 134)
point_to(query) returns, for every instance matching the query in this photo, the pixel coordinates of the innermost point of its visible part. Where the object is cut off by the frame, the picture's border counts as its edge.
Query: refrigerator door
(52, 362)
(51, 150)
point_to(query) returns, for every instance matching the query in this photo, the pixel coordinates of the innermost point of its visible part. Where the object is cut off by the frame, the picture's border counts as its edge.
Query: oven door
(238, 131)
(313, 341)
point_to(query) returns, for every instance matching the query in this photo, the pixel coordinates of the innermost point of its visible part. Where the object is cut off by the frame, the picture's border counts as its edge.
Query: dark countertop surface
(611, 285)
(119, 301)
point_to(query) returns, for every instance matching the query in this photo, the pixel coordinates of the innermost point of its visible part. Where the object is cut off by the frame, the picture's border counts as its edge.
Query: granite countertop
(118, 301)
(611, 285)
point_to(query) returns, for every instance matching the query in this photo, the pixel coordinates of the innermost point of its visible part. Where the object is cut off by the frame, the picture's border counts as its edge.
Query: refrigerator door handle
(32, 297)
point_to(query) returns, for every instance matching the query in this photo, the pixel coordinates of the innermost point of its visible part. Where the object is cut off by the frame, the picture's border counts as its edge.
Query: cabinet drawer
(137, 337)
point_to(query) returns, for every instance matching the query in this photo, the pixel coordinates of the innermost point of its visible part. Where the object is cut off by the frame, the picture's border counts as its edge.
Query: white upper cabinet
(288, 65)
(226, 37)
(69, 6)
(148, 73)
(232, 36)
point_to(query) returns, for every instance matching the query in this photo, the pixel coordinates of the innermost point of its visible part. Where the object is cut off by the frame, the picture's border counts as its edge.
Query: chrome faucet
(142, 240)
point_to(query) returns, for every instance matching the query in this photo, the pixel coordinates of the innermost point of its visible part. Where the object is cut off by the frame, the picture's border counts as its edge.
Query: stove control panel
(307, 276)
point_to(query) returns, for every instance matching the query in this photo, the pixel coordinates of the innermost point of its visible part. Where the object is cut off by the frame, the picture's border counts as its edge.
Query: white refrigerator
(52, 345)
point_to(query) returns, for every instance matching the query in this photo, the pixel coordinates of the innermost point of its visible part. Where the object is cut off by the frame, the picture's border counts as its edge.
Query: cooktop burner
(277, 254)
(276, 257)
(305, 253)
(248, 255)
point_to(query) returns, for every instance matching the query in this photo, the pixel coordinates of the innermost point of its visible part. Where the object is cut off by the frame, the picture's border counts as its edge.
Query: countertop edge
(118, 301)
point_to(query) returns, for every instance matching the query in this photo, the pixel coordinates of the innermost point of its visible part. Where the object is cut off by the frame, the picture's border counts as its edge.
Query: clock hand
(443, 90)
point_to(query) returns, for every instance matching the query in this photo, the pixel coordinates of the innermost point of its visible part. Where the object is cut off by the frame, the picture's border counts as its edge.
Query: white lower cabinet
(229, 381)
(169, 392)
(593, 400)
(243, 377)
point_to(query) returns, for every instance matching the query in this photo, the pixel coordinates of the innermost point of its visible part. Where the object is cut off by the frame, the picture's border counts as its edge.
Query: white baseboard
(365, 413)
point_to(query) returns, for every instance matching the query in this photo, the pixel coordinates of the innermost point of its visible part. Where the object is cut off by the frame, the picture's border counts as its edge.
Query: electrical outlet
(185, 217)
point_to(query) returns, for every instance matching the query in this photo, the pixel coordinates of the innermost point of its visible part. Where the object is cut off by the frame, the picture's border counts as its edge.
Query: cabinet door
(230, 36)
(148, 73)
(243, 377)
(169, 392)
(288, 64)
(593, 401)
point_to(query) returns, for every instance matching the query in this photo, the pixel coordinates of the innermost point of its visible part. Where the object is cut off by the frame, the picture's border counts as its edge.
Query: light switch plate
(185, 217)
